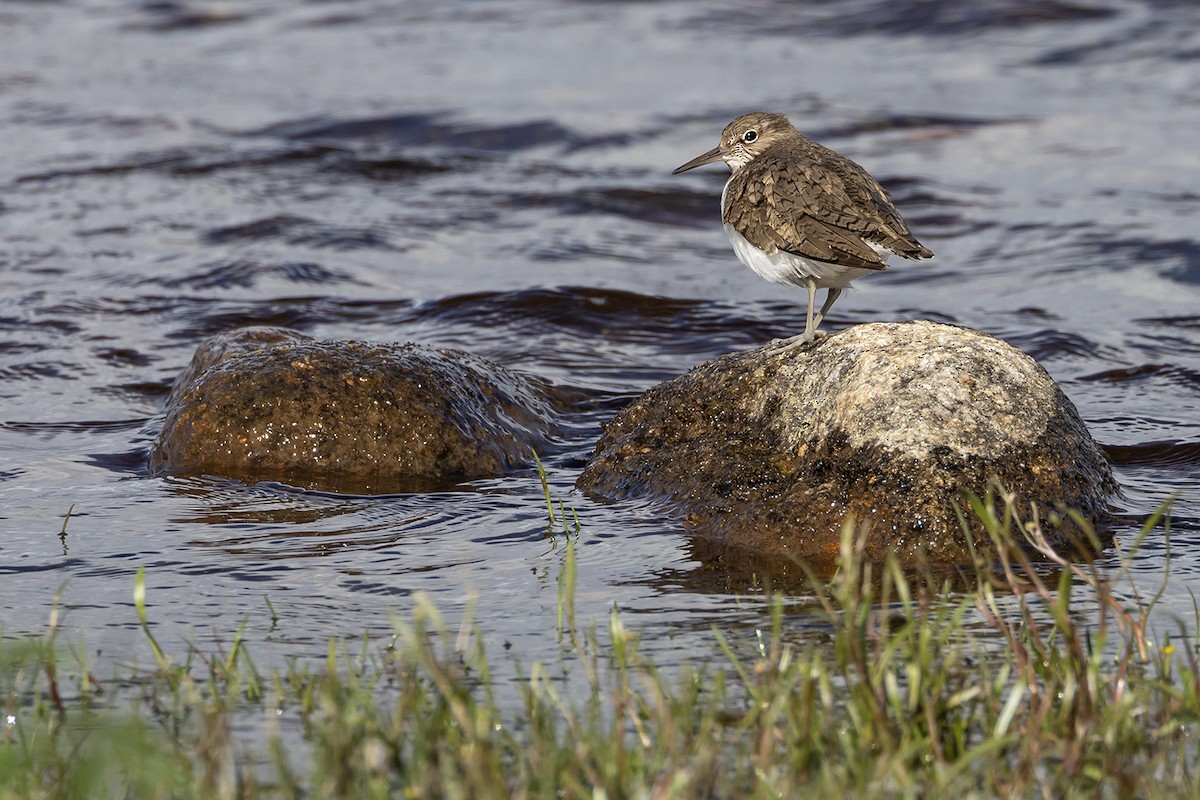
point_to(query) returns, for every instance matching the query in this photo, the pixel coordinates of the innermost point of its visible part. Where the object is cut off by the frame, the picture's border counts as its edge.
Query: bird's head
(745, 138)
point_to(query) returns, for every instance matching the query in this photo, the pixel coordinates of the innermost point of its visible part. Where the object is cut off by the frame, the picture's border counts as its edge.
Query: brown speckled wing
(806, 199)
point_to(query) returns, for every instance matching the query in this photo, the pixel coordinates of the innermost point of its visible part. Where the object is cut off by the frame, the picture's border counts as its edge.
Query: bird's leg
(830, 297)
(810, 329)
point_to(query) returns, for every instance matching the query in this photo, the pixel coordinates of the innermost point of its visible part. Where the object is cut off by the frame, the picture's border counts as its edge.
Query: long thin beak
(699, 161)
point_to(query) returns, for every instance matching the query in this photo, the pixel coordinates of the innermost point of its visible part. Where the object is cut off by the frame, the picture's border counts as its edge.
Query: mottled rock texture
(273, 404)
(769, 451)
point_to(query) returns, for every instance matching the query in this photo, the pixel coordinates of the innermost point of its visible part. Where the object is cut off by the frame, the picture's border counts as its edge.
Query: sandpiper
(798, 213)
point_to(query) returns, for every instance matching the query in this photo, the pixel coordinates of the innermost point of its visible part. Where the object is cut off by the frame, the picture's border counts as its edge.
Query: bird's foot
(794, 342)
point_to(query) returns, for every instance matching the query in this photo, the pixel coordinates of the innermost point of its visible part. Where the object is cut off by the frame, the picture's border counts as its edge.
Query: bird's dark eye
(749, 136)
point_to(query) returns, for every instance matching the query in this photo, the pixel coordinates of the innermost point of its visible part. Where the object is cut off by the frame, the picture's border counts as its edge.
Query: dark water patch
(42, 566)
(601, 141)
(276, 522)
(296, 542)
(296, 230)
(231, 503)
(56, 326)
(667, 206)
(1042, 231)
(606, 334)
(715, 569)
(39, 370)
(245, 273)
(198, 318)
(196, 161)
(412, 129)
(568, 249)
(902, 314)
(1167, 33)
(90, 308)
(1052, 344)
(124, 565)
(1169, 337)
(1157, 550)
(240, 573)
(392, 168)
(332, 19)
(614, 314)
(165, 16)
(1186, 198)
(16, 82)
(199, 321)
(945, 224)
(130, 462)
(1175, 259)
(719, 570)
(13, 348)
(1029, 314)
(276, 227)
(331, 489)
(10, 474)
(93, 426)
(1172, 454)
(20, 257)
(144, 390)
(917, 193)
(424, 130)
(916, 17)
(579, 308)
(108, 230)
(71, 116)
(124, 356)
(1177, 374)
(916, 126)
(906, 273)
(538, 533)
(374, 587)
(433, 131)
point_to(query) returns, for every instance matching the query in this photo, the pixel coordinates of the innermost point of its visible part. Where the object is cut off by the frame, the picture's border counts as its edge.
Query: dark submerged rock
(273, 404)
(769, 452)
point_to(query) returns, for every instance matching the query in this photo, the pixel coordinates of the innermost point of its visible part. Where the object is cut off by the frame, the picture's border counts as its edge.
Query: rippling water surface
(496, 177)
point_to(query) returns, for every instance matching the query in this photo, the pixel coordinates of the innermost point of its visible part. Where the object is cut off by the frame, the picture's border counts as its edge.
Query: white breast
(789, 268)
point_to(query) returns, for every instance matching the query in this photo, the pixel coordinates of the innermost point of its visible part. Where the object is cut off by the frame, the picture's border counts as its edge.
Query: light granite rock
(769, 452)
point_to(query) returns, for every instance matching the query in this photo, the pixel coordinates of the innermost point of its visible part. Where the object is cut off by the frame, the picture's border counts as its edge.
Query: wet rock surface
(769, 452)
(273, 404)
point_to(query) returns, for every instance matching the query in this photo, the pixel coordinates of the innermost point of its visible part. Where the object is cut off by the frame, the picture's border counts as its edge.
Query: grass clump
(1033, 681)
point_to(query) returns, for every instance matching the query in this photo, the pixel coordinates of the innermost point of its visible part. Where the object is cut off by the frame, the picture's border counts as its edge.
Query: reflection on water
(496, 179)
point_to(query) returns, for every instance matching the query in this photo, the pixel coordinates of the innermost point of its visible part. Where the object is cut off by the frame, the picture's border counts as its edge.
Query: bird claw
(794, 342)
